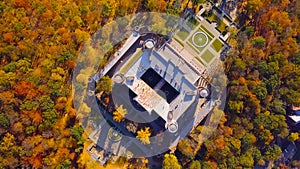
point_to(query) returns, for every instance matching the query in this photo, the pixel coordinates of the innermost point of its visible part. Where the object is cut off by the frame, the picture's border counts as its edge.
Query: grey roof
(175, 71)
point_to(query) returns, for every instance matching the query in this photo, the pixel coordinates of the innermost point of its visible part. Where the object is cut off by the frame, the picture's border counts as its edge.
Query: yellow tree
(144, 135)
(119, 114)
(171, 161)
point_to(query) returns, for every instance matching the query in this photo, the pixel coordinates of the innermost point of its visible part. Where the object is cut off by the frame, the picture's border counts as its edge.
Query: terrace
(198, 41)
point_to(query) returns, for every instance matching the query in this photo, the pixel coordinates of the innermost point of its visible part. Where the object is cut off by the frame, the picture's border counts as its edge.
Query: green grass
(182, 34)
(200, 39)
(217, 45)
(192, 23)
(207, 56)
(193, 47)
(199, 60)
(131, 61)
(198, 50)
(206, 31)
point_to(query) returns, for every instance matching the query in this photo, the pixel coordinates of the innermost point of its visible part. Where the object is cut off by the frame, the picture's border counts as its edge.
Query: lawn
(131, 60)
(192, 23)
(190, 42)
(197, 50)
(202, 28)
(207, 56)
(217, 45)
(200, 39)
(182, 34)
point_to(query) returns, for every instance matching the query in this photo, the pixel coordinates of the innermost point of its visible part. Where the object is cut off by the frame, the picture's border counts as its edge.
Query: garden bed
(217, 45)
(182, 34)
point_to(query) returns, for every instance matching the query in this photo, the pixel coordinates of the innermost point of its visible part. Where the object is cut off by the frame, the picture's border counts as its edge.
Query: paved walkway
(118, 55)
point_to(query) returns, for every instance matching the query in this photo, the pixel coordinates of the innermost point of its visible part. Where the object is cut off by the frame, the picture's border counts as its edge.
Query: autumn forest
(39, 44)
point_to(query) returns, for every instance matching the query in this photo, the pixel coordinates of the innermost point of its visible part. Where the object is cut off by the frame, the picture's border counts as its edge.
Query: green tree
(50, 115)
(239, 64)
(234, 144)
(246, 160)
(76, 133)
(253, 6)
(248, 140)
(24, 65)
(272, 82)
(10, 67)
(185, 146)
(249, 30)
(256, 154)
(28, 105)
(10, 151)
(29, 130)
(258, 41)
(104, 84)
(150, 4)
(195, 165)
(46, 103)
(272, 153)
(277, 107)
(266, 136)
(106, 8)
(268, 69)
(208, 165)
(296, 59)
(233, 161)
(274, 123)
(4, 121)
(235, 106)
(260, 91)
(7, 79)
(65, 164)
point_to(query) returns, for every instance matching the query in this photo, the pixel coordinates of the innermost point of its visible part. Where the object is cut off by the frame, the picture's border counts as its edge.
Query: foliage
(4, 121)
(185, 146)
(272, 153)
(144, 135)
(46, 103)
(76, 133)
(263, 83)
(104, 84)
(119, 114)
(293, 137)
(195, 165)
(170, 161)
(38, 47)
(259, 41)
(28, 105)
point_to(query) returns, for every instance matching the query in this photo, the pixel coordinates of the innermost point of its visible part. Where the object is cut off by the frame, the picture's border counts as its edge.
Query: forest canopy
(39, 44)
